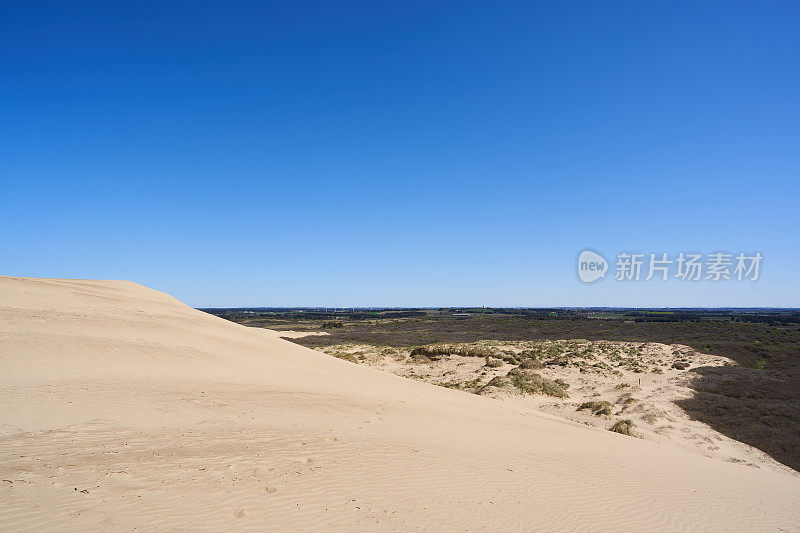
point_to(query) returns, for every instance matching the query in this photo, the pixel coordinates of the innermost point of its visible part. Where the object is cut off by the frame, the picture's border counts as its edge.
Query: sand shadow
(758, 407)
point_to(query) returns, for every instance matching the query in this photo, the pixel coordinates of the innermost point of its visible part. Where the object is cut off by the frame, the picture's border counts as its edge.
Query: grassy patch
(598, 408)
(563, 384)
(529, 383)
(346, 357)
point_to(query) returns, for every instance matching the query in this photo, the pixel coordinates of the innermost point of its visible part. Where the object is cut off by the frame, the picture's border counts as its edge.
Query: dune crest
(122, 408)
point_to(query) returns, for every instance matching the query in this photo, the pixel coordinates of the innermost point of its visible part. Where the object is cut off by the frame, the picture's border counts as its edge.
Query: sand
(123, 409)
(642, 382)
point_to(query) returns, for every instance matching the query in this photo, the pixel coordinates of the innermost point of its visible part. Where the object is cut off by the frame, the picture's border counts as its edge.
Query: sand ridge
(124, 409)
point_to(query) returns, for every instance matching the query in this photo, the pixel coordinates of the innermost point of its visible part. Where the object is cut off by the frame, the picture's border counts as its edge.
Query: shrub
(420, 359)
(598, 408)
(551, 388)
(473, 384)
(346, 357)
(430, 352)
(531, 364)
(497, 381)
(559, 360)
(435, 351)
(530, 383)
(623, 426)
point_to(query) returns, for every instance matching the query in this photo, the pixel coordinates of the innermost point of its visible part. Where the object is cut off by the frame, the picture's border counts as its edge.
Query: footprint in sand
(238, 513)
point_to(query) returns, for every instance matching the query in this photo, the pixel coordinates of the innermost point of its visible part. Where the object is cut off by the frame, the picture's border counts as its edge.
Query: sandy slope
(121, 408)
(639, 380)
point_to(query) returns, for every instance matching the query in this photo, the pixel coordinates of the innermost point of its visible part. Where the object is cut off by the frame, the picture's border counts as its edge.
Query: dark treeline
(235, 315)
(768, 316)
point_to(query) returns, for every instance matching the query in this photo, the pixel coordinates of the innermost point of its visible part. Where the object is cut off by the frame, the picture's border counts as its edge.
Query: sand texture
(123, 409)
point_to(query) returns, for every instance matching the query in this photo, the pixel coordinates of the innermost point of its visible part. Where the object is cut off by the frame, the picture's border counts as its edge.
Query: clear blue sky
(399, 153)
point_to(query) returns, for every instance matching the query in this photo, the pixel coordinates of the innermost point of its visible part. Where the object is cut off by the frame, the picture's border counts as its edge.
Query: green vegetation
(346, 357)
(531, 364)
(436, 351)
(598, 408)
(530, 383)
(748, 336)
(497, 381)
(758, 409)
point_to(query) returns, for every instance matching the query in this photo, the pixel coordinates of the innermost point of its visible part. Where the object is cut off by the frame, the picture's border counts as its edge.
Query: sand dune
(123, 409)
(638, 381)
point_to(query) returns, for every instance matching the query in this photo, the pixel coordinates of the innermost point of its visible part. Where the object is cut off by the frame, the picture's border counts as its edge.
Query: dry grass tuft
(597, 408)
(625, 427)
(530, 383)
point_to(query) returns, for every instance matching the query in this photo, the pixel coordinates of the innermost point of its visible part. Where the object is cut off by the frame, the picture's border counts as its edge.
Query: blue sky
(405, 154)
